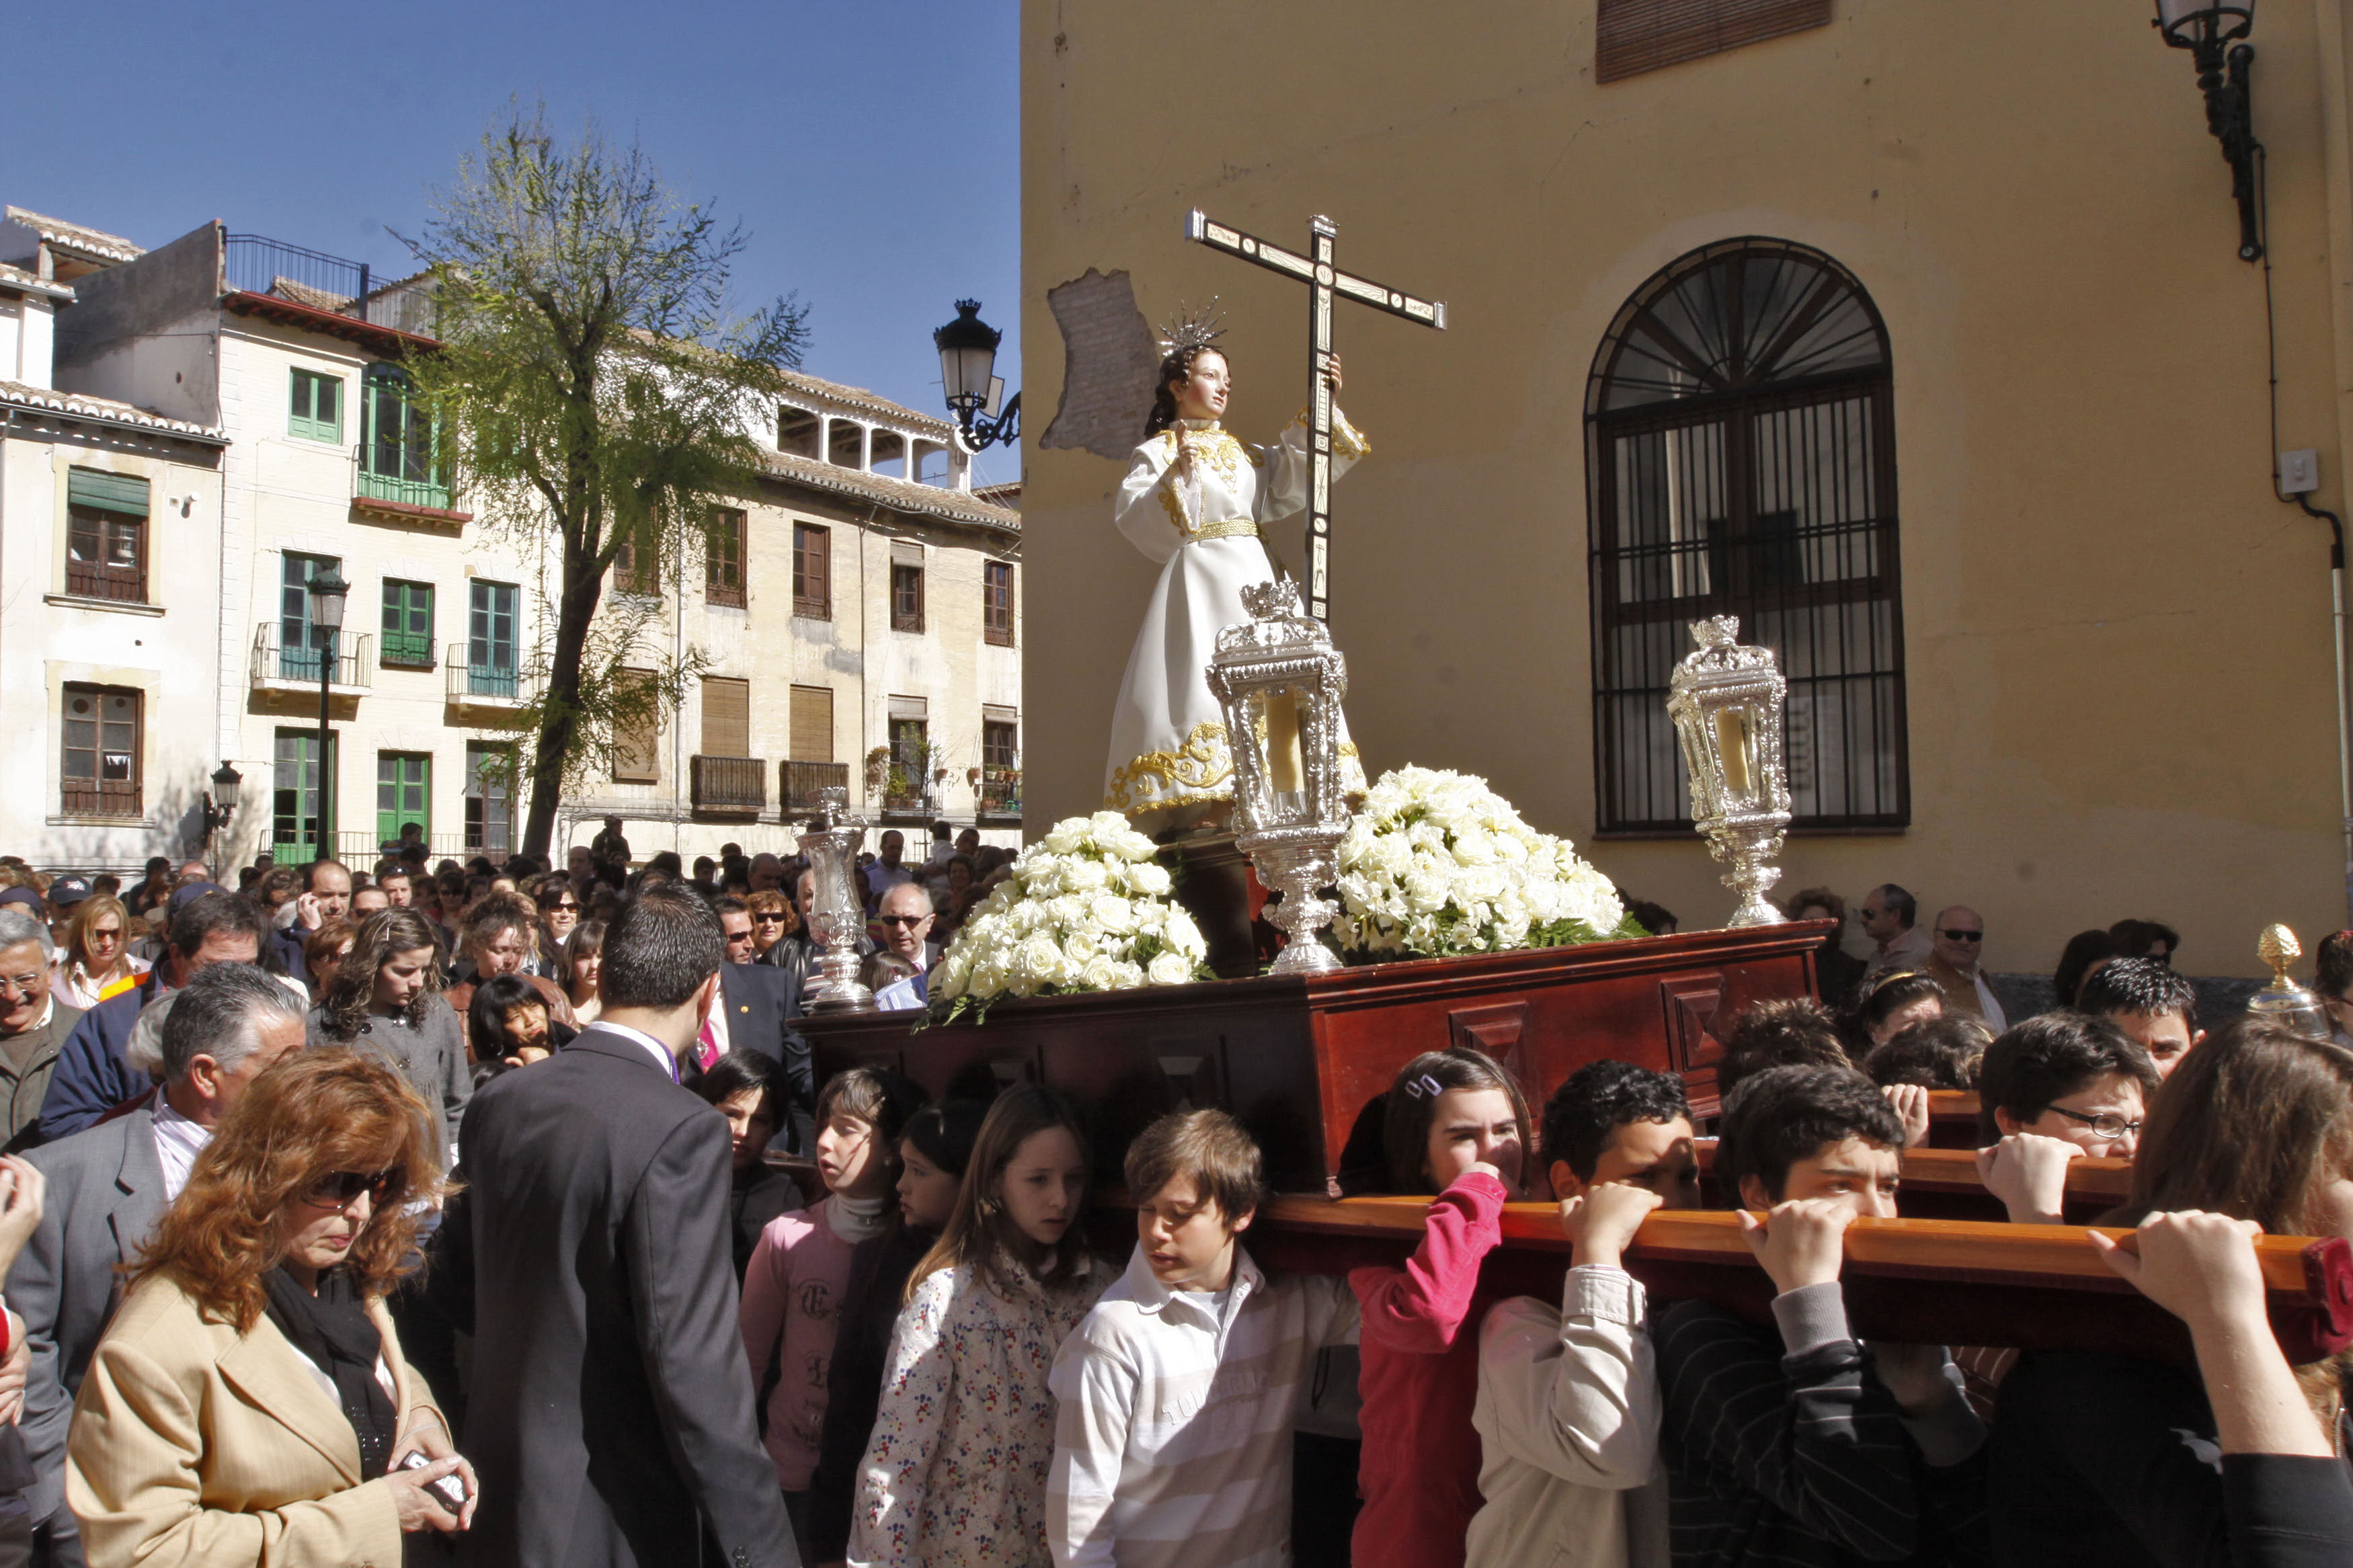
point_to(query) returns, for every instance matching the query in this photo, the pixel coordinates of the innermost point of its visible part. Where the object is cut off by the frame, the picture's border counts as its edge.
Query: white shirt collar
(1151, 1296)
(661, 1053)
(178, 1142)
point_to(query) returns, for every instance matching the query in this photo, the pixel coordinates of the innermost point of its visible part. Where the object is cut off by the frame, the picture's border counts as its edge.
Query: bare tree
(595, 390)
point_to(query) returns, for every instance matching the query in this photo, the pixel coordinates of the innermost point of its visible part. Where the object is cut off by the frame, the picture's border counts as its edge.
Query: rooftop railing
(256, 263)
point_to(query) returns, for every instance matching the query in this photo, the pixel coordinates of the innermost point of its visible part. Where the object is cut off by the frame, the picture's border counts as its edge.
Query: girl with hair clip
(955, 1476)
(1196, 501)
(1456, 1126)
(2109, 1459)
(1890, 1003)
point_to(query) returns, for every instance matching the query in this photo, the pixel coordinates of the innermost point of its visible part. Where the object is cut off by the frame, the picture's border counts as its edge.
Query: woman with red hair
(249, 1403)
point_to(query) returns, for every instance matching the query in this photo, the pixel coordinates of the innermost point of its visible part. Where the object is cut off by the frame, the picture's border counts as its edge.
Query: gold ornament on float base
(2283, 1000)
(1726, 700)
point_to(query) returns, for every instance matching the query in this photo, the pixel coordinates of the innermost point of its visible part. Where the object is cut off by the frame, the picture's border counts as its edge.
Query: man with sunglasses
(906, 920)
(1954, 963)
(1889, 915)
(109, 1185)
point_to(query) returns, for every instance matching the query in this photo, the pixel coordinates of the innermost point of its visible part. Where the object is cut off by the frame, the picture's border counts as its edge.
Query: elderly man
(33, 1024)
(94, 1073)
(906, 920)
(109, 1184)
(1956, 947)
(1888, 917)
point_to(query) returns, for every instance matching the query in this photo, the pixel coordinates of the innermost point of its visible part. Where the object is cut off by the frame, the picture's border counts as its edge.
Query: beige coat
(193, 1444)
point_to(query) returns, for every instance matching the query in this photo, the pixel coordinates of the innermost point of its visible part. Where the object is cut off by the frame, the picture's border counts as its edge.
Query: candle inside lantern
(1286, 766)
(1732, 746)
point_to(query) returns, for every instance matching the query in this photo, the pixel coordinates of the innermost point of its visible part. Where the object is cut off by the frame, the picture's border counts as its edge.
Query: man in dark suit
(755, 1012)
(611, 1417)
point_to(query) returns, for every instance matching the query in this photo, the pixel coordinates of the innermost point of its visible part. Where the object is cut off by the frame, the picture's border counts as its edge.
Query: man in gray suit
(610, 1418)
(33, 1023)
(109, 1185)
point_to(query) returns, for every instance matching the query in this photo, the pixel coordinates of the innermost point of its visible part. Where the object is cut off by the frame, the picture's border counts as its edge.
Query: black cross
(1324, 283)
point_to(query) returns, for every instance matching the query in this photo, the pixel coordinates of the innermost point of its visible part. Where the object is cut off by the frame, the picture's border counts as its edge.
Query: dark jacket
(610, 1417)
(22, 1088)
(90, 1078)
(762, 1003)
(2104, 1458)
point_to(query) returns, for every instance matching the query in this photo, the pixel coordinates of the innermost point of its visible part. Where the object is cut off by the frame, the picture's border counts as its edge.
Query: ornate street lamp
(1280, 681)
(1726, 701)
(221, 803)
(328, 590)
(2209, 33)
(836, 913)
(967, 348)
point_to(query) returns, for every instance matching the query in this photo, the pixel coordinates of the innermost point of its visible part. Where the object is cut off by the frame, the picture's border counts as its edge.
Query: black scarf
(334, 1331)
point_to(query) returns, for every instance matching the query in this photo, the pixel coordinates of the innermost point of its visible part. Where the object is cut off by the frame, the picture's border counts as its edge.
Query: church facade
(1919, 337)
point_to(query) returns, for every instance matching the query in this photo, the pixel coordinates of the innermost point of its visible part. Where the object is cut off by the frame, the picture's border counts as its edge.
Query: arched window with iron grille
(1740, 455)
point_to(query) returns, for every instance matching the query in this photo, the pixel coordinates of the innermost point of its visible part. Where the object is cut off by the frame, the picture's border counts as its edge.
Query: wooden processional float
(1299, 1053)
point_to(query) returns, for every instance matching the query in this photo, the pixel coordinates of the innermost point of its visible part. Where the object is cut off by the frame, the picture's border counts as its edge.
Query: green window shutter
(108, 492)
(317, 408)
(408, 628)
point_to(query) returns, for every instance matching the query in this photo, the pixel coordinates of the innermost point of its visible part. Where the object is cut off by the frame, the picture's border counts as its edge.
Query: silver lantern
(1726, 700)
(836, 913)
(1280, 681)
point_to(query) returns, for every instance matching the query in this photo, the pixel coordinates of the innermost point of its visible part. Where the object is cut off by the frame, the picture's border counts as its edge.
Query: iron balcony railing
(484, 673)
(371, 486)
(255, 264)
(407, 650)
(276, 661)
(798, 783)
(1000, 792)
(729, 784)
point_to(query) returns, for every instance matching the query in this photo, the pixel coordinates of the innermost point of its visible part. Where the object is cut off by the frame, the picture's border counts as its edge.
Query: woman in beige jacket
(250, 1404)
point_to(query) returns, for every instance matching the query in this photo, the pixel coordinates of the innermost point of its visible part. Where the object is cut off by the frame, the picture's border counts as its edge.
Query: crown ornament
(1191, 328)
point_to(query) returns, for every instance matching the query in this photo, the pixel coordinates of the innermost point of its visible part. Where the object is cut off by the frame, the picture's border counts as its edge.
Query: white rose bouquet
(1087, 907)
(1436, 864)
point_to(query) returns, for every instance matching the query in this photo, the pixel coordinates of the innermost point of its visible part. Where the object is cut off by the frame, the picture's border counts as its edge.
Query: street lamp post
(328, 590)
(221, 805)
(967, 348)
(2210, 30)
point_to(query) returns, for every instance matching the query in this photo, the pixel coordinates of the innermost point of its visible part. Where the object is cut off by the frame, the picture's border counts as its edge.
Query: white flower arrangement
(1087, 907)
(1436, 864)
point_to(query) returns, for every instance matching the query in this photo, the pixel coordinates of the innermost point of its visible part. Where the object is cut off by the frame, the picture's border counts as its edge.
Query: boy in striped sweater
(1172, 1443)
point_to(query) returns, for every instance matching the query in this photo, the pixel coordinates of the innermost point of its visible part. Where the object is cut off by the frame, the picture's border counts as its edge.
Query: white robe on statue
(1167, 732)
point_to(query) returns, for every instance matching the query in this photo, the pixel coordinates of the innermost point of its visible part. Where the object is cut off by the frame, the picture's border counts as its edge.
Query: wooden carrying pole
(1952, 1282)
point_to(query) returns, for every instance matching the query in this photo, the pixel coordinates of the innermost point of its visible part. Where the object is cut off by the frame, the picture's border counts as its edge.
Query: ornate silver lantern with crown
(836, 913)
(1280, 681)
(1726, 700)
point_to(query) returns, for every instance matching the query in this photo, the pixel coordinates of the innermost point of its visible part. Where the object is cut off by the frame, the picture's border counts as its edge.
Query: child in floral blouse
(955, 1476)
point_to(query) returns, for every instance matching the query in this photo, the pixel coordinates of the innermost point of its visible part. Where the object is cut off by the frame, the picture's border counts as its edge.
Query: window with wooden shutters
(100, 764)
(407, 638)
(723, 563)
(317, 410)
(996, 603)
(812, 723)
(812, 571)
(906, 587)
(636, 733)
(1631, 37)
(726, 717)
(1001, 762)
(490, 798)
(630, 576)
(106, 536)
(1741, 461)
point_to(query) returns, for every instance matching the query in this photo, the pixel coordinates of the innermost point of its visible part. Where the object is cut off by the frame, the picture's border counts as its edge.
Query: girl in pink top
(1456, 1125)
(799, 1271)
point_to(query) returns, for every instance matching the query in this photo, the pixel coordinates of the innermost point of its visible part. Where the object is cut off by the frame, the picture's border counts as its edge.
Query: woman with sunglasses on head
(97, 953)
(249, 1403)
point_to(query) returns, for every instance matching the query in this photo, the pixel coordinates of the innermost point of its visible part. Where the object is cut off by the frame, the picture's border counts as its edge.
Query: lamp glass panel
(966, 372)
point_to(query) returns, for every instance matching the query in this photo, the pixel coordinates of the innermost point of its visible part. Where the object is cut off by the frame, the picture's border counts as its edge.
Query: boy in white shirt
(1567, 1414)
(1172, 1445)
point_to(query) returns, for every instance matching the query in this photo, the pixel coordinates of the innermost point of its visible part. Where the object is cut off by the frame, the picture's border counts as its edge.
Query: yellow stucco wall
(2117, 641)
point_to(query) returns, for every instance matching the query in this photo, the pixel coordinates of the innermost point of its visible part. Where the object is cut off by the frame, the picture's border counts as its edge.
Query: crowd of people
(351, 1211)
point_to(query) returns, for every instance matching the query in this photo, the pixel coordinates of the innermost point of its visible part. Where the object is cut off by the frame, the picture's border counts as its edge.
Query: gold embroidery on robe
(1195, 772)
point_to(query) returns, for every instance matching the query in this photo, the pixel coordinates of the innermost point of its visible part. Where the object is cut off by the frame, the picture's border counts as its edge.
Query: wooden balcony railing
(798, 783)
(731, 784)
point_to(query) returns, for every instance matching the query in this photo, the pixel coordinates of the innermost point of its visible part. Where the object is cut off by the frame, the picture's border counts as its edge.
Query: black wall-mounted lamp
(2211, 33)
(967, 348)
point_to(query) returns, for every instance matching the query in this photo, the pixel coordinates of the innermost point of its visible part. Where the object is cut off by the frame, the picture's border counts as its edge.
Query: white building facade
(862, 628)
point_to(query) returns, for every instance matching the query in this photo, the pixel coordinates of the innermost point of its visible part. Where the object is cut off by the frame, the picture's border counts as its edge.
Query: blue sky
(870, 151)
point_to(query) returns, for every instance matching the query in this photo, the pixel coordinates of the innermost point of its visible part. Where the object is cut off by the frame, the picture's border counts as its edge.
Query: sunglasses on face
(573, 909)
(1962, 935)
(763, 918)
(338, 1188)
(904, 920)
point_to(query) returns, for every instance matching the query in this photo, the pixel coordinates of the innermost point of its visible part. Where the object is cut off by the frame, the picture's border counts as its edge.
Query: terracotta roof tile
(106, 410)
(931, 500)
(32, 282)
(74, 236)
(859, 399)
